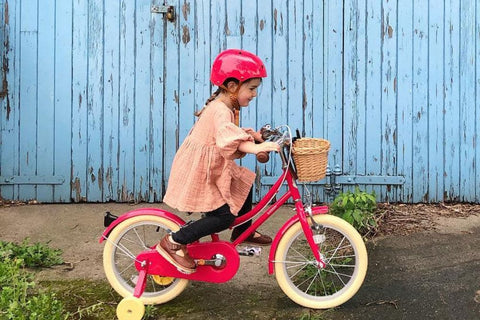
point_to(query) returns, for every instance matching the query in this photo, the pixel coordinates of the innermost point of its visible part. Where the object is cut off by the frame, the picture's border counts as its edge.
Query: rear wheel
(343, 251)
(124, 243)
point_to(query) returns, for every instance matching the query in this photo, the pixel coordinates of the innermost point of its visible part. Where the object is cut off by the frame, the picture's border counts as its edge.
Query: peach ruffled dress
(204, 175)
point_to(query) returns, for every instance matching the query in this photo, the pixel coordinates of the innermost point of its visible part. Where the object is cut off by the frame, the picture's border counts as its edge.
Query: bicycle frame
(292, 192)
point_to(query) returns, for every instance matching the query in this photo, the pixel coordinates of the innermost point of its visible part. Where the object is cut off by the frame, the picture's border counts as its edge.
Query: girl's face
(248, 91)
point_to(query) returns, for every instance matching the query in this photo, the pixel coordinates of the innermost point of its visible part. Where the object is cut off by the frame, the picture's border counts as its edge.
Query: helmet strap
(234, 100)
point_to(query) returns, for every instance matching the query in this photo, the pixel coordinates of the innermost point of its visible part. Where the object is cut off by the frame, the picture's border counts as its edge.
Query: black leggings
(213, 222)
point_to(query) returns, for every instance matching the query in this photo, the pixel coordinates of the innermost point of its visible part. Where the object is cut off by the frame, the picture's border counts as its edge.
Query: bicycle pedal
(249, 251)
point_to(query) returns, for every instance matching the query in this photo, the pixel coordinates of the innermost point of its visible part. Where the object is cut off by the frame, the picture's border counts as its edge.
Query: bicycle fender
(138, 212)
(290, 222)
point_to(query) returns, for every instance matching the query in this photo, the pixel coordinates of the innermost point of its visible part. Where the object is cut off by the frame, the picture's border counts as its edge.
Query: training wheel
(163, 281)
(130, 308)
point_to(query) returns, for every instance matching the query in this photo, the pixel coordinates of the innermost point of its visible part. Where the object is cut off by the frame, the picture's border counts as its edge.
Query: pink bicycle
(319, 260)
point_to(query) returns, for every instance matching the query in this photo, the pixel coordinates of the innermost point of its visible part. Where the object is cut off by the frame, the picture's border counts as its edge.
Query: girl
(204, 176)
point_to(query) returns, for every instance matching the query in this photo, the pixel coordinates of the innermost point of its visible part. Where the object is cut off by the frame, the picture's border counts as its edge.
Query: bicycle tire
(346, 259)
(125, 242)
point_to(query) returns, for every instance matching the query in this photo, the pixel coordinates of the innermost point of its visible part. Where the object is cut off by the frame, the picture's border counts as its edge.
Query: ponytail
(212, 97)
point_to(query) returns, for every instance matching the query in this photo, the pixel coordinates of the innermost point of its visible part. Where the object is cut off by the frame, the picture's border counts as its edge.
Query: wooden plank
(246, 29)
(468, 142)
(126, 162)
(201, 38)
(373, 90)
(233, 15)
(420, 103)
(187, 62)
(9, 121)
(111, 102)
(308, 63)
(333, 34)
(295, 85)
(353, 106)
(157, 111)
(436, 135)
(79, 101)
(405, 98)
(279, 75)
(264, 105)
(46, 90)
(451, 100)
(95, 115)
(476, 103)
(28, 91)
(388, 97)
(63, 98)
(171, 87)
(142, 102)
(318, 122)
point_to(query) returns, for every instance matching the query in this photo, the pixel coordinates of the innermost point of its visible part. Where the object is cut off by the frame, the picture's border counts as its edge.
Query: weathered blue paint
(102, 93)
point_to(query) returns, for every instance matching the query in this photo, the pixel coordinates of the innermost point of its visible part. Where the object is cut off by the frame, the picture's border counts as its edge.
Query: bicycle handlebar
(274, 135)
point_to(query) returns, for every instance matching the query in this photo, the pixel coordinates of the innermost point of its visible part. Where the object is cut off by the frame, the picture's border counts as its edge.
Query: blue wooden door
(97, 95)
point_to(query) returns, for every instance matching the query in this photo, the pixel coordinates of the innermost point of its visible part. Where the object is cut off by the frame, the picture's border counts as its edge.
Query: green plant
(19, 298)
(358, 208)
(33, 256)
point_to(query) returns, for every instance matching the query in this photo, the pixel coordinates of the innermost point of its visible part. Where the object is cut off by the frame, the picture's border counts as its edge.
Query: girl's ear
(232, 86)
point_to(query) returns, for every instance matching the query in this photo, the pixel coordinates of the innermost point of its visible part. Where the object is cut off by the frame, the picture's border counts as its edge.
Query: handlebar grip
(262, 156)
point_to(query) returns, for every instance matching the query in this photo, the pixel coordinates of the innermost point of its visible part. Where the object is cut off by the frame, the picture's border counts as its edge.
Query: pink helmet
(239, 64)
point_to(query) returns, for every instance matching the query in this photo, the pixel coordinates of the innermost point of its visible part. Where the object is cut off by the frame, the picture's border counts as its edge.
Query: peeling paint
(92, 176)
(100, 178)
(186, 35)
(6, 13)
(390, 31)
(77, 188)
(186, 10)
(275, 20)
(262, 24)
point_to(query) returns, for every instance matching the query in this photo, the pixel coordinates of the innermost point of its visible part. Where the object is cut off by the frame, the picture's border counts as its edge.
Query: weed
(358, 208)
(37, 255)
(18, 298)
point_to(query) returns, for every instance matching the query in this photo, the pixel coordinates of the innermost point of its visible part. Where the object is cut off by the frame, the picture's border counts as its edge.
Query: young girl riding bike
(204, 176)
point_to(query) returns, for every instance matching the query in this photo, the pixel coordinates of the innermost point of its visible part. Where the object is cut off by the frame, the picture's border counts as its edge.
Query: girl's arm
(251, 147)
(257, 136)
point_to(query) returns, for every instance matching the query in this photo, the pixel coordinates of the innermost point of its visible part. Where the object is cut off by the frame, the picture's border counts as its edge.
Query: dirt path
(425, 261)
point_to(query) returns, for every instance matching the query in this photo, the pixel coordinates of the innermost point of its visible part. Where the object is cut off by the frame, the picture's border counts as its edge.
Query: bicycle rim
(343, 251)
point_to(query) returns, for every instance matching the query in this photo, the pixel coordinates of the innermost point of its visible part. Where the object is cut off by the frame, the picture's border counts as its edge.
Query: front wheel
(340, 247)
(124, 243)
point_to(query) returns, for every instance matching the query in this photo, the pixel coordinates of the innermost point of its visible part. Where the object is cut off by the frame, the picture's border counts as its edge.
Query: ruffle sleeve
(228, 138)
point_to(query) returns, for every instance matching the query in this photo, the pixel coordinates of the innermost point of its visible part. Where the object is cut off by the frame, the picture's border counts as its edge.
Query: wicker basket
(310, 156)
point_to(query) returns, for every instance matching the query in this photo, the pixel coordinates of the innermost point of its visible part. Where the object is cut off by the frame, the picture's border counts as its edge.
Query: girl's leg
(173, 247)
(256, 237)
(213, 222)
(247, 206)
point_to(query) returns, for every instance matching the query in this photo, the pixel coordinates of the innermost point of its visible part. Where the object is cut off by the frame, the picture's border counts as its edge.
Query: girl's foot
(255, 238)
(176, 254)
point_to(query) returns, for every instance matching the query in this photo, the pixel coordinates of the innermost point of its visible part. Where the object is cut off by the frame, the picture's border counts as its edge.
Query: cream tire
(136, 226)
(358, 269)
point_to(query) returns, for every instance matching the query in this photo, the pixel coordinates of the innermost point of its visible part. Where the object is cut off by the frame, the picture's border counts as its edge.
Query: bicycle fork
(313, 240)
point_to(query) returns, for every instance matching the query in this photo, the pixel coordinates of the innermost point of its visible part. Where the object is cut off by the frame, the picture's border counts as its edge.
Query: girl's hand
(257, 136)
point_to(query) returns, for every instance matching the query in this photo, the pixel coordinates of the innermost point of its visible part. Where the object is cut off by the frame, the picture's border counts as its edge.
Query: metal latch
(168, 11)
